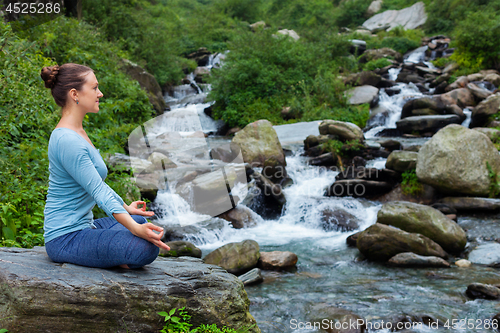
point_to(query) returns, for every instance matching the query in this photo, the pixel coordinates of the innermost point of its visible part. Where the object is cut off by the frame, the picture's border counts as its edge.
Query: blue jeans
(110, 244)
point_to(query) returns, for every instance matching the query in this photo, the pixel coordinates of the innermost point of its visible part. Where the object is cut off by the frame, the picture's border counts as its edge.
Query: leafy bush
(378, 63)
(262, 74)
(352, 13)
(398, 39)
(410, 184)
(476, 41)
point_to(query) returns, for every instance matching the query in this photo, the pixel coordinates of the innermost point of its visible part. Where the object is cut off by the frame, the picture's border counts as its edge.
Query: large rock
(401, 160)
(291, 33)
(277, 260)
(344, 130)
(486, 254)
(423, 124)
(424, 220)
(409, 259)
(240, 217)
(410, 18)
(361, 95)
(363, 78)
(381, 242)
(492, 133)
(236, 258)
(181, 248)
(454, 161)
(374, 8)
(261, 147)
(481, 290)
(469, 204)
(338, 220)
(480, 93)
(484, 110)
(38, 295)
(147, 82)
(375, 54)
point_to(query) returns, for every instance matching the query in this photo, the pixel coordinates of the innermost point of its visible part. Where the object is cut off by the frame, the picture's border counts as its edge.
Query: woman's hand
(145, 231)
(133, 209)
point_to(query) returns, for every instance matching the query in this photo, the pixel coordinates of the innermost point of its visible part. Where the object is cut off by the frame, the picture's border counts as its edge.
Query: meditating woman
(76, 184)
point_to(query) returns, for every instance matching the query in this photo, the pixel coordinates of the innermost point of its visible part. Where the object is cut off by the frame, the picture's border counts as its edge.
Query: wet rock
(380, 242)
(181, 248)
(201, 56)
(236, 258)
(492, 133)
(240, 217)
(382, 175)
(426, 197)
(327, 159)
(252, 277)
(357, 188)
(361, 95)
(160, 161)
(269, 190)
(423, 124)
(484, 110)
(463, 263)
(471, 204)
(454, 161)
(392, 91)
(410, 18)
(321, 312)
(480, 290)
(357, 47)
(444, 208)
(338, 220)
(384, 83)
(344, 130)
(409, 259)
(363, 78)
(415, 148)
(352, 239)
(315, 140)
(277, 260)
(261, 147)
(486, 254)
(173, 232)
(147, 82)
(461, 97)
(391, 145)
(480, 93)
(493, 78)
(461, 82)
(425, 220)
(43, 296)
(401, 160)
(375, 54)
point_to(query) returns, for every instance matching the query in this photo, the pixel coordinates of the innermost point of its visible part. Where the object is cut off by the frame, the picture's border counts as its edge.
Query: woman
(76, 184)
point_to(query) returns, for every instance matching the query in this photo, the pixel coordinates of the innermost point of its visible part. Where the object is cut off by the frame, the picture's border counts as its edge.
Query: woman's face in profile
(89, 94)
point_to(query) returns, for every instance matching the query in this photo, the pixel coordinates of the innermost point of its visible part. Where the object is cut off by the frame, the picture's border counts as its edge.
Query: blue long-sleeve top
(76, 184)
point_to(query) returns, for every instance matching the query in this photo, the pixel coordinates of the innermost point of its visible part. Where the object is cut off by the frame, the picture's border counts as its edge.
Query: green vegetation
(494, 182)
(397, 39)
(378, 63)
(180, 323)
(410, 184)
(340, 148)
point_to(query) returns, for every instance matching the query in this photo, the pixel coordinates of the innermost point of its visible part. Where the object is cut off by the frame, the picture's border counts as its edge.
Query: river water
(328, 272)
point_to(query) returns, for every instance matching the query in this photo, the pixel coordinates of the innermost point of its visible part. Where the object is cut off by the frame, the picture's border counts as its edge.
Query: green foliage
(476, 41)
(398, 39)
(352, 13)
(494, 182)
(179, 323)
(3, 330)
(378, 63)
(442, 62)
(264, 73)
(410, 184)
(340, 148)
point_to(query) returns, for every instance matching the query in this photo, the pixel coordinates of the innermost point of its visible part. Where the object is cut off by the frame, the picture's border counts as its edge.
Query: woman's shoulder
(66, 137)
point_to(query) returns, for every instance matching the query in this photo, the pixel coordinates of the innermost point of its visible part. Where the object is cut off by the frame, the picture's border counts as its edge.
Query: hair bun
(49, 75)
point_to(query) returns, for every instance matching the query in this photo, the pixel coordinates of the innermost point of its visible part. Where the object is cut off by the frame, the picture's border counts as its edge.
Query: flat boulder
(472, 204)
(361, 95)
(455, 160)
(486, 254)
(401, 160)
(409, 259)
(423, 124)
(43, 296)
(236, 258)
(180, 248)
(384, 52)
(424, 220)
(380, 242)
(343, 130)
(481, 290)
(410, 18)
(362, 79)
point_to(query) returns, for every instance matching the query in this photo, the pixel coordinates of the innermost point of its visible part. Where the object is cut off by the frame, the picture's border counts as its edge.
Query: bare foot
(124, 266)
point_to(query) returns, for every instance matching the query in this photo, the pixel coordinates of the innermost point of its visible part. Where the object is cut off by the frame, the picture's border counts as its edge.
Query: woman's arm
(144, 231)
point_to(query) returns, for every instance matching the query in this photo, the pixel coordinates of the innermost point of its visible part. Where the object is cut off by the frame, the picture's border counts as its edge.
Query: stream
(328, 272)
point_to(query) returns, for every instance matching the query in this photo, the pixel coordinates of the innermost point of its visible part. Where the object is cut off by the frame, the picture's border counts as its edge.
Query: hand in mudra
(145, 231)
(133, 209)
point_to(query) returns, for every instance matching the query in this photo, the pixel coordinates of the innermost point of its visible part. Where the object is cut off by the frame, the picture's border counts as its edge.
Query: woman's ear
(73, 94)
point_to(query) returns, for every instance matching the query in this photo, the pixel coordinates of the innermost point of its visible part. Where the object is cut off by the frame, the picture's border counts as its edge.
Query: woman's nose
(100, 94)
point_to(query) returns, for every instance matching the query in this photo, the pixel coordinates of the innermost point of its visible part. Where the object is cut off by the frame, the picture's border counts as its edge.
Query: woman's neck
(71, 119)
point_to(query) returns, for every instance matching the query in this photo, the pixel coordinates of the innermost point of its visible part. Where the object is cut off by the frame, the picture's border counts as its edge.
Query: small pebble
(463, 263)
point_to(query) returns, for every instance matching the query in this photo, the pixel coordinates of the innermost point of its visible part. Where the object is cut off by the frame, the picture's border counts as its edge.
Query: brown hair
(61, 79)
